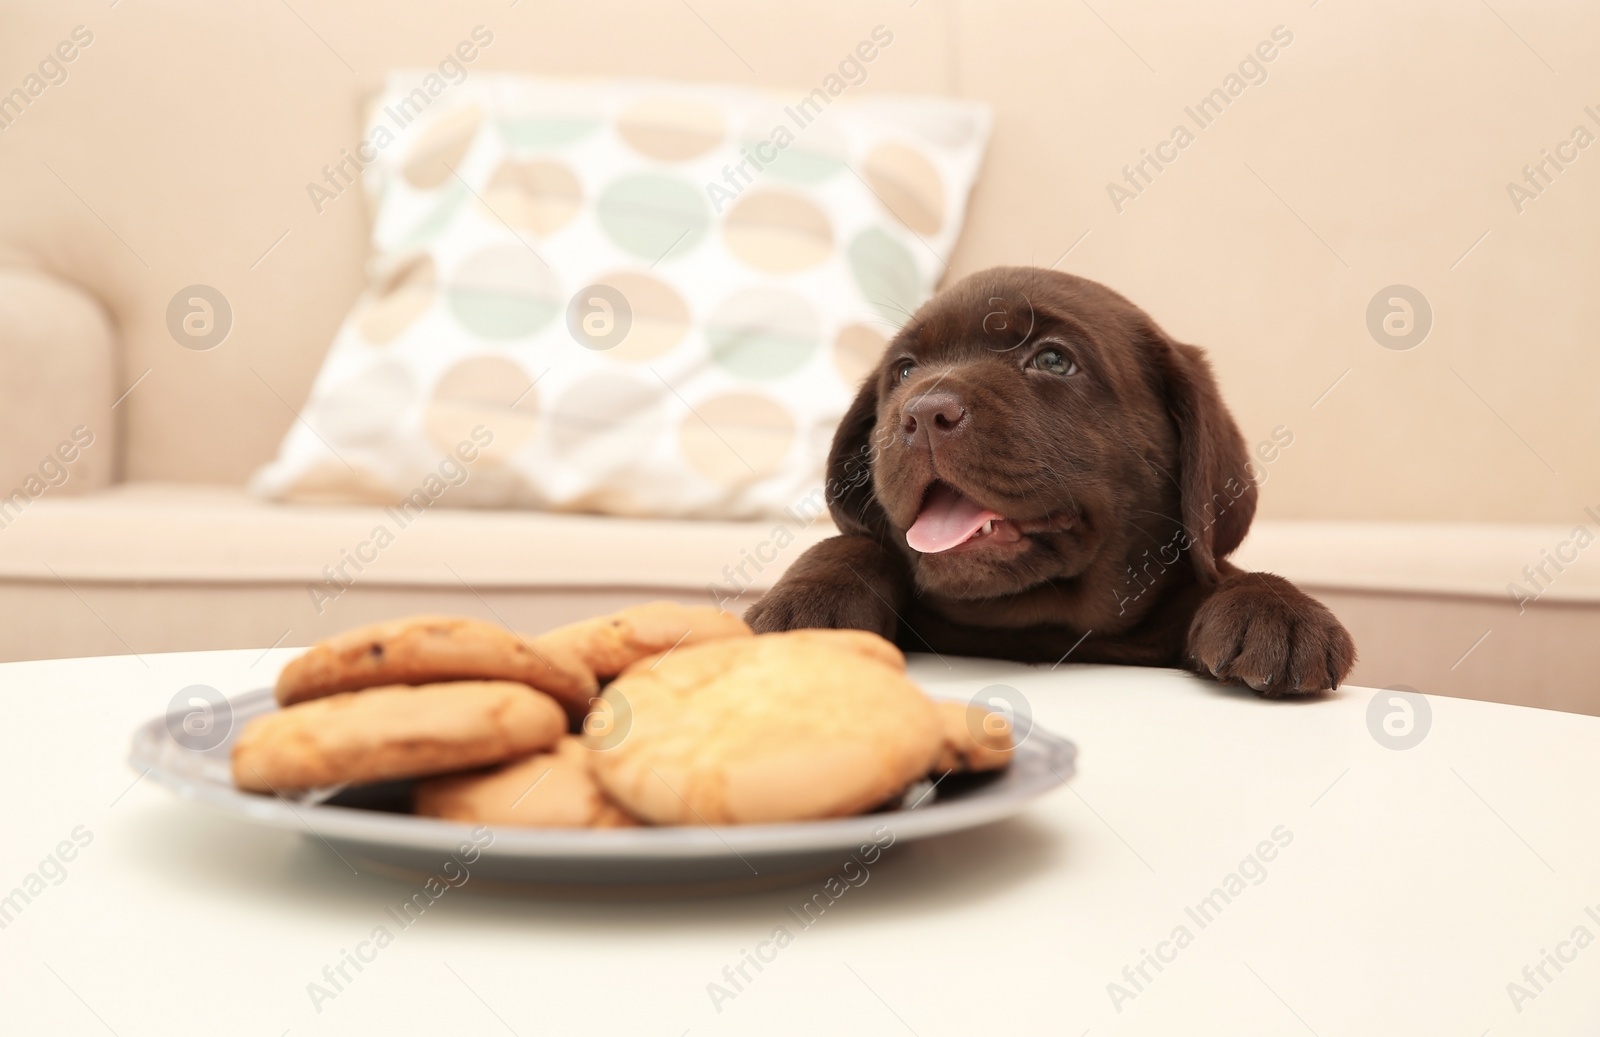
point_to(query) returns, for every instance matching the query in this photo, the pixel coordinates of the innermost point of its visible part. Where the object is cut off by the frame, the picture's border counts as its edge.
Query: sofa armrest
(58, 371)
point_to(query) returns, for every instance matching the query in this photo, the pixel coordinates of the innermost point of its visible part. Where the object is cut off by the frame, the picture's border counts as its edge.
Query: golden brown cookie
(430, 649)
(398, 731)
(974, 738)
(781, 727)
(547, 790)
(610, 644)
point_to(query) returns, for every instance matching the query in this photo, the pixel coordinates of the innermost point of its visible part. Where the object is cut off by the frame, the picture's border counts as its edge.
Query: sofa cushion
(177, 533)
(627, 297)
(151, 533)
(150, 568)
(1481, 560)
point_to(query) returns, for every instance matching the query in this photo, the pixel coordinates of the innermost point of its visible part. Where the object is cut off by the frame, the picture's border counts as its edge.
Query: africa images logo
(1399, 717)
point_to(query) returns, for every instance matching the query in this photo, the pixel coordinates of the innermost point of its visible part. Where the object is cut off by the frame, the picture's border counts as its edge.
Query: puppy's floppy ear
(851, 497)
(1216, 488)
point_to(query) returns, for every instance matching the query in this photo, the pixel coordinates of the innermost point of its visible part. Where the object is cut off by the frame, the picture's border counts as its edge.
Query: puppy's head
(1027, 424)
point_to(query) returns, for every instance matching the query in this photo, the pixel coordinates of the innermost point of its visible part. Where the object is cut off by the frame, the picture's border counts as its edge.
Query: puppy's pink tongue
(947, 519)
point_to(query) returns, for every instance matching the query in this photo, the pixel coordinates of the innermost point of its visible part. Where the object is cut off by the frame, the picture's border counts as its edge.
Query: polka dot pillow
(638, 298)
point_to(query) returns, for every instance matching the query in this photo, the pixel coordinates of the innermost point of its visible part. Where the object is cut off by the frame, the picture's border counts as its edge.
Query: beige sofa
(175, 146)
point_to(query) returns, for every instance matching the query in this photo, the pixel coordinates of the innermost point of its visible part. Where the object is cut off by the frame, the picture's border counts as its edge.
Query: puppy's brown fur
(1123, 481)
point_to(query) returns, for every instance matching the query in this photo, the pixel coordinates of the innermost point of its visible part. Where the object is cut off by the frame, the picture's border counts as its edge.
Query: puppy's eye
(1054, 361)
(904, 370)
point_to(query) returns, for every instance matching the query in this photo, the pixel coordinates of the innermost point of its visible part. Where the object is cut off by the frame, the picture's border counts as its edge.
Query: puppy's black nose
(937, 413)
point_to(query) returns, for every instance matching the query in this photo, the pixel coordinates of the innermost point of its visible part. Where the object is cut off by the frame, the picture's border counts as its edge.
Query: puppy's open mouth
(949, 519)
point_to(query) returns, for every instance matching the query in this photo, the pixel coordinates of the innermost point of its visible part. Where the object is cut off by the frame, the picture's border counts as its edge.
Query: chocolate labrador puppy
(1037, 471)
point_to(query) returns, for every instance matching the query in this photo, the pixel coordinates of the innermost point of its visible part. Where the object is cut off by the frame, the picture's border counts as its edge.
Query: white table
(1418, 884)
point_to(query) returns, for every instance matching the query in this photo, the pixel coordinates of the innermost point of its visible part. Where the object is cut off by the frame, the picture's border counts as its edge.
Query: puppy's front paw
(799, 604)
(1263, 631)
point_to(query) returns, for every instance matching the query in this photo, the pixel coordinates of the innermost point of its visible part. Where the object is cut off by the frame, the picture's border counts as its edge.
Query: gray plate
(364, 823)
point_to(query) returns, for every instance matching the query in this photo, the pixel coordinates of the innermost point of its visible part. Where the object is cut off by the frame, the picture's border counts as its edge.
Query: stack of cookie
(699, 721)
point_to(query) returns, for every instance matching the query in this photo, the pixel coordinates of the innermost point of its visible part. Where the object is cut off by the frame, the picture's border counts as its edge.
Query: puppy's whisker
(892, 304)
(1159, 515)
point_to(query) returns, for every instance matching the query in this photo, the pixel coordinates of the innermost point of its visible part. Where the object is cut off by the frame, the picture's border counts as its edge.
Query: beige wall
(1381, 145)
(1377, 152)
